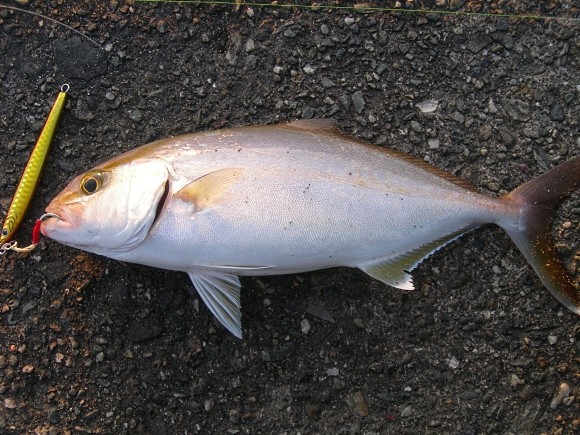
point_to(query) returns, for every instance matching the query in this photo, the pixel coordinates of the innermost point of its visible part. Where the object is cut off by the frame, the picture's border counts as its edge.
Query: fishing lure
(31, 174)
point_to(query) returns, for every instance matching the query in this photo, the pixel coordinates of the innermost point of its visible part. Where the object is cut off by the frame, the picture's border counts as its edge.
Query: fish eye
(91, 183)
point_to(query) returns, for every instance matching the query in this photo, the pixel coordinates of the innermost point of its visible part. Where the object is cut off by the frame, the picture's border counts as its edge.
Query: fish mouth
(46, 216)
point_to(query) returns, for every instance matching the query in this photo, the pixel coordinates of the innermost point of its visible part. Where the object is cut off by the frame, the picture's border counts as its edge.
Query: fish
(289, 198)
(31, 174)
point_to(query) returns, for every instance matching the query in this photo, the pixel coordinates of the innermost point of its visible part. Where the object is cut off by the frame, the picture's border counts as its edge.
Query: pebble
(427, 106)
(312, 410)
(485, 132)
(324, 29)
(407, 412)
(558, 113)
(416, 126)
(349, 21)
(358, 405)
(333, 371)
(100, 357)
(9, 403)
(135, 115)
(458, 117)
(308, 70)
(305, 326)
(561, 393)
(250, 45)
(327, 83)
(358, 100)
(28, 368)
(515, 380)
(453, 363)
(552, 339)
(494, 187)
(433, 143)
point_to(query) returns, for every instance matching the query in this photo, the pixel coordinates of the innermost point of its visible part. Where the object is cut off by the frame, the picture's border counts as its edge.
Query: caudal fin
(537, 201)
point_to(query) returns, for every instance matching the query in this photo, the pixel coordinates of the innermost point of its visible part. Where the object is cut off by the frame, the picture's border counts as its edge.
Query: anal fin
(395, 271)
(221, 294)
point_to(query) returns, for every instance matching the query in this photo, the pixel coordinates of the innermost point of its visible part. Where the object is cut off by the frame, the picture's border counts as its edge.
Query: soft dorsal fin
(210, 187)
(395, 271)
(330, 128)
(221, 294)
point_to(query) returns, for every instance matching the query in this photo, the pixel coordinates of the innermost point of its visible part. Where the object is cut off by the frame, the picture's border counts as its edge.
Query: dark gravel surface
(93, 345)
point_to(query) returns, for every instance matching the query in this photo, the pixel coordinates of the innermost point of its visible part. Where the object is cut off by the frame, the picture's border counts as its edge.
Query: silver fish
(292, 198)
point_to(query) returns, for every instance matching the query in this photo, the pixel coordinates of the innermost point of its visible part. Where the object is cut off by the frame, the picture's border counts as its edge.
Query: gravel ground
(94, 345)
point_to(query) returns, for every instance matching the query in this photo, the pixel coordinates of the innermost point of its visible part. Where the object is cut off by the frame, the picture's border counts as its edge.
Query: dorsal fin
(330, 128)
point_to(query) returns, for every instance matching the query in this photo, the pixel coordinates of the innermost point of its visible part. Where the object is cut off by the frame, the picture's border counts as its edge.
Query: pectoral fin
(221, 294)
(207, 189)
(395, 271)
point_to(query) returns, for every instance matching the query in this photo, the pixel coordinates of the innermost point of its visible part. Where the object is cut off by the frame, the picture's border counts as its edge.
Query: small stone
(305, 326)
(358, 405)
(515, 380)
(110, 96)
(427, 106)
(266, 302)
(28, 368)
(289, 33)
(327, 83)
(416, 127)
(349, 21)
(250, 45)
(527, 393)
(324, 29)
(552, 339)
(458, 117)
(358, 100)
(453, 363)
(358, 322)
(558, 113)
(308, 70)
(494, 187)
(10, 403)
(338, 384)
(407, 412)
(433, 143)
(497, 270)
(485, 132)
(100, 357)
(561, 393)
(333, 371)
(265, 356)
(312, 411)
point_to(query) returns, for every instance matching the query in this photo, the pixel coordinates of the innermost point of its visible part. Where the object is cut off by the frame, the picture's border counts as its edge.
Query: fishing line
(363, 7)
(53, 20)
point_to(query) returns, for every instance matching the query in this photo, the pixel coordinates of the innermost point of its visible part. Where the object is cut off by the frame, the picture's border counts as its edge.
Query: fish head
(110, 208)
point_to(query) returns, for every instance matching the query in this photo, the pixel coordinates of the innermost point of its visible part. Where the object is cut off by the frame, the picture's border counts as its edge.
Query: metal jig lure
(30, 176)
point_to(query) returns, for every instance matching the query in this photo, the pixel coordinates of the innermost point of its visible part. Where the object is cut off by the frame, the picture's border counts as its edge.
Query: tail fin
(537, 200)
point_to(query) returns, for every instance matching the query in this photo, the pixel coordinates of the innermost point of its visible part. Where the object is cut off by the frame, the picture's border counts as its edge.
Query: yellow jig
(31, 174)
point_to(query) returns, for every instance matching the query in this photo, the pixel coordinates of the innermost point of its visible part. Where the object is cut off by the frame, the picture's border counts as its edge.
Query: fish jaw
(58, 222)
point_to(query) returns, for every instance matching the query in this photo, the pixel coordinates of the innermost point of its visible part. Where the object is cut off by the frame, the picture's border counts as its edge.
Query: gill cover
(109, 209)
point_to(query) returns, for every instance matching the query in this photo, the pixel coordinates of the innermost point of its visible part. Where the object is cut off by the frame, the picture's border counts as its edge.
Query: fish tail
(536, 201)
